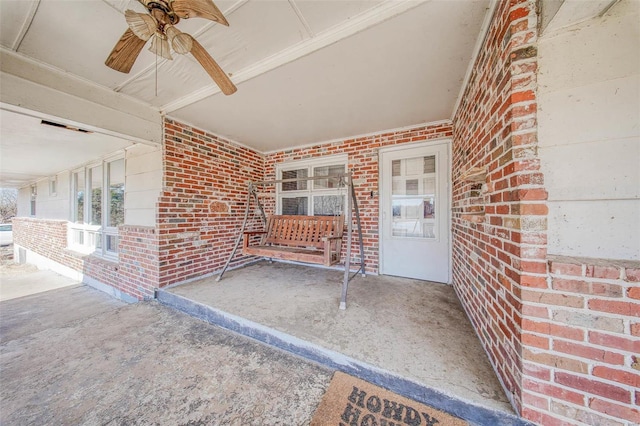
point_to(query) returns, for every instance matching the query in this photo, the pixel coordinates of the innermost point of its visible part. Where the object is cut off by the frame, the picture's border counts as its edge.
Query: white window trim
(53, 186)
(310, 164)
(33, 199)
(103, 231)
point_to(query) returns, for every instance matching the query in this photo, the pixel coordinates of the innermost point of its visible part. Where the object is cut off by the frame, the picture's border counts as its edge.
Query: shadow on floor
(78, 356)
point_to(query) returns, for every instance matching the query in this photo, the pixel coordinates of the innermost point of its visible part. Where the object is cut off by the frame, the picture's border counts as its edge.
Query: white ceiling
(307, 71)
(31, 150)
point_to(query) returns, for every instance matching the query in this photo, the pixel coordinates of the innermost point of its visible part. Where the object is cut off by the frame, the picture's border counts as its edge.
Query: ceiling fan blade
(125, 52)
(198, 9)
(212, 68)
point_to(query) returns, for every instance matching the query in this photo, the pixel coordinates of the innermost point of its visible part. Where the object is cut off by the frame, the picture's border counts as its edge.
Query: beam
(31, 85)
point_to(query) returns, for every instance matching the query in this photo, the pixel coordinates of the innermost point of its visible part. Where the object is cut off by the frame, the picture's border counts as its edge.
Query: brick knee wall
(581, 344)
(47, 238)
(134, 273)
(138, 266)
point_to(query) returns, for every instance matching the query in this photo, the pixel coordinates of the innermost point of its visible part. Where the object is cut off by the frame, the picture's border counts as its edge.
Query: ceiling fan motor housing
(164, 6)
(158, 26)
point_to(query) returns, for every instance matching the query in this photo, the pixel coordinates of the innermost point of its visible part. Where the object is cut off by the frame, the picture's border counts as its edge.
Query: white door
(415, 209)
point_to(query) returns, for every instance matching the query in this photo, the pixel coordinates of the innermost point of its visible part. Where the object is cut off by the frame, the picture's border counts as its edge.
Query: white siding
(24, 202)
(54, 206)
(48, 205)
(143, 184)
(589, 113)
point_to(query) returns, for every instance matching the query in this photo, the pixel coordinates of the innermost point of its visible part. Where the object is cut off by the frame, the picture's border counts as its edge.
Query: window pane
(414, 166)
(328, 205)
(395, 168)
(295, 174)
(112, 243)
(78, 236)
(430, 164)
(34, 195)
(95, 240)
(78, 184)
(411, 186)
(95, 177)
(116, 192)
(334, 170)
(53, 187)
(295, 206)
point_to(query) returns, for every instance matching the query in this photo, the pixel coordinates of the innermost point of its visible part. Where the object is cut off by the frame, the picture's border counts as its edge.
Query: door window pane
(413, 197)
(295, 206)
(328, 205)
(116, 192)
(430, 164)
(395, 168)
(411, 187)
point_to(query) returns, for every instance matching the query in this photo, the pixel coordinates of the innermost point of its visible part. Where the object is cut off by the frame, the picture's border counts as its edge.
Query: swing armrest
(331, 255)
(249, 234)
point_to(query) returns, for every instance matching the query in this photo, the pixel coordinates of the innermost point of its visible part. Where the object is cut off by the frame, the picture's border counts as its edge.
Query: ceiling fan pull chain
(156, 74)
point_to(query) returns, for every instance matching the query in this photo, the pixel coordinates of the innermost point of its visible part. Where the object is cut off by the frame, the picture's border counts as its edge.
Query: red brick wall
(562, 333)
(499, 224)
(363, 163)
(135, 273)
(47, 238)
(581, 344)
(201, 208)
(138, 266)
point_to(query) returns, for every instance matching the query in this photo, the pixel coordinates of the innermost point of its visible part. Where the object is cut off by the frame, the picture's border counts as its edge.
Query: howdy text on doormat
(350, 401)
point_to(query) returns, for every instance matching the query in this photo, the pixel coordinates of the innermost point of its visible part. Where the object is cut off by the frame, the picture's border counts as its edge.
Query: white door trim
(449, 187)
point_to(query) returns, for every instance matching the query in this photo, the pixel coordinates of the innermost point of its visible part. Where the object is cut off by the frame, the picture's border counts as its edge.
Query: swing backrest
(303, 231)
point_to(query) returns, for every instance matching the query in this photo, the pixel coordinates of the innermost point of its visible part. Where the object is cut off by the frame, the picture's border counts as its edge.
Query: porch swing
(307, 239)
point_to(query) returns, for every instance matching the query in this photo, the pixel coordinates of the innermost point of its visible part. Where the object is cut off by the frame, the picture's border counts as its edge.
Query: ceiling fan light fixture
(180, 41)
(160, 46)
(142, 24)
(158, 26)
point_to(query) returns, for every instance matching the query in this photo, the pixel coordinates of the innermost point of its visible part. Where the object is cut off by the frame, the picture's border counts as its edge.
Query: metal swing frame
(344, 180)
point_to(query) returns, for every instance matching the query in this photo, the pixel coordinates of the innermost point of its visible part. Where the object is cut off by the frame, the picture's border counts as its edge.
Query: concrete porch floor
(405, 328)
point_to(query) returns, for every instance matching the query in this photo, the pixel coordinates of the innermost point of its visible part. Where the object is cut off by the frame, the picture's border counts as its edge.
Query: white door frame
(440, 141)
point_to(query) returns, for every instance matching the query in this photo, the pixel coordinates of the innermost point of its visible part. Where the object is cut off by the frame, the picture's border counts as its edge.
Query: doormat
(350, 401)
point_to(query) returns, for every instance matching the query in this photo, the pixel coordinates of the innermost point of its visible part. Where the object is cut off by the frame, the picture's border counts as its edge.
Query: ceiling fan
(159, 26)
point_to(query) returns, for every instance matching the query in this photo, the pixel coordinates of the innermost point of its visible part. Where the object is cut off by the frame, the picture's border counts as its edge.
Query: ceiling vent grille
(64, 126)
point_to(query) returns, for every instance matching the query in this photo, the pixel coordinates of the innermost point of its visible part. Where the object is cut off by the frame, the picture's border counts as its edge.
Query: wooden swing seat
(310, 239)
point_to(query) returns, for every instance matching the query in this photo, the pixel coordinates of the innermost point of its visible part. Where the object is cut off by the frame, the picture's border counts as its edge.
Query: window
(98, 208)
(34, 195)
(53, 187)
(314, 197)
